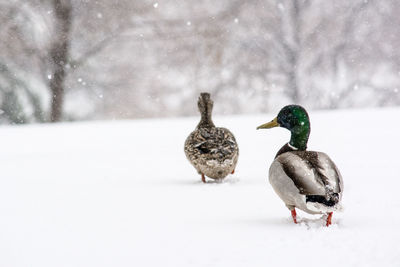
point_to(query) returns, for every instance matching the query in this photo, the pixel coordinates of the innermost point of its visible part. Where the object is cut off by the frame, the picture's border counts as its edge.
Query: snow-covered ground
(123, 194)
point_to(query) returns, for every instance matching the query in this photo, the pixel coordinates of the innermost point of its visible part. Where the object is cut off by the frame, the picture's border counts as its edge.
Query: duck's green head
(295, 119)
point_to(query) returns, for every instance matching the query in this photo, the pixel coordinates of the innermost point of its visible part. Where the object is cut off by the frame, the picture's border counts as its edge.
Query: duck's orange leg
(329, 219)
(233, 171)
(203, 178)
(293, 211)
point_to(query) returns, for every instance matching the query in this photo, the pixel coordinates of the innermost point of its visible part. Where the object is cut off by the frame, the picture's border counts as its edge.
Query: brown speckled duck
(303, 179)
(212, 151)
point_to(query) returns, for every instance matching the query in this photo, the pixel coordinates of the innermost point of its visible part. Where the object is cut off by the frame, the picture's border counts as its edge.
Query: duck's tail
(330, 201)
(324, 203)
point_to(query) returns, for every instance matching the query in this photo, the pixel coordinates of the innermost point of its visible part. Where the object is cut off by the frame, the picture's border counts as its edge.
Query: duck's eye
(288, 116)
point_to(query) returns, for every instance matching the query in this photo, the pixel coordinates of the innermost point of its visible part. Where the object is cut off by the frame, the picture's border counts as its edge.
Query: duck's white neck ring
(292, 147)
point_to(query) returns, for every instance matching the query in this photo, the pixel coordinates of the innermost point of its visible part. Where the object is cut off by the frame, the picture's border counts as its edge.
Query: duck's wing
(314, 174)
(192, 144)
(228, 146)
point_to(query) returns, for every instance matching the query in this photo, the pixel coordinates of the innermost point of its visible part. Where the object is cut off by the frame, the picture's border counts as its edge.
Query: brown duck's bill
(268, 125)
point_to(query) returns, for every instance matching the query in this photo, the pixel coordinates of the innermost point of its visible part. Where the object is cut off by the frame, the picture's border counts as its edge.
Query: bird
(303, 179)
(213, 151)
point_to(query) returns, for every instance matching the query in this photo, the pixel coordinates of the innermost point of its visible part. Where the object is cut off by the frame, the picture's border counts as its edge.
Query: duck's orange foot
(329, 219)
(203, 178)
(233, 171)
(294, 215)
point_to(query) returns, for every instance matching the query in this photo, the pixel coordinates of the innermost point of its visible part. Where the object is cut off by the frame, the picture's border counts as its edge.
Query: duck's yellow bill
(268, 125)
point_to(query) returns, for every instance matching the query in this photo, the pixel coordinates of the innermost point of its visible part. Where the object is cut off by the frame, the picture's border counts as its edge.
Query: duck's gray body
(212, 151)
(307, 180)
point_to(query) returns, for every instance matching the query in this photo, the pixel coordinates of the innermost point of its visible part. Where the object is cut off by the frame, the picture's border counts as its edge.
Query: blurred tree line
(100, 59)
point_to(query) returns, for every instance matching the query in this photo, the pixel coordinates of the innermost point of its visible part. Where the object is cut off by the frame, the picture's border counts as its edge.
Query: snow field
(123, 194)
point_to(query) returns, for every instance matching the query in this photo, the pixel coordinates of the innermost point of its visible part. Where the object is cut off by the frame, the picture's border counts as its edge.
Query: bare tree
(129, 59)
(59, 56)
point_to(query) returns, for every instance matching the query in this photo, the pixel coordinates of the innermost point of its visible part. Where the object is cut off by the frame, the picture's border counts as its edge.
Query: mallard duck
(212, 151)
(307, 180)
